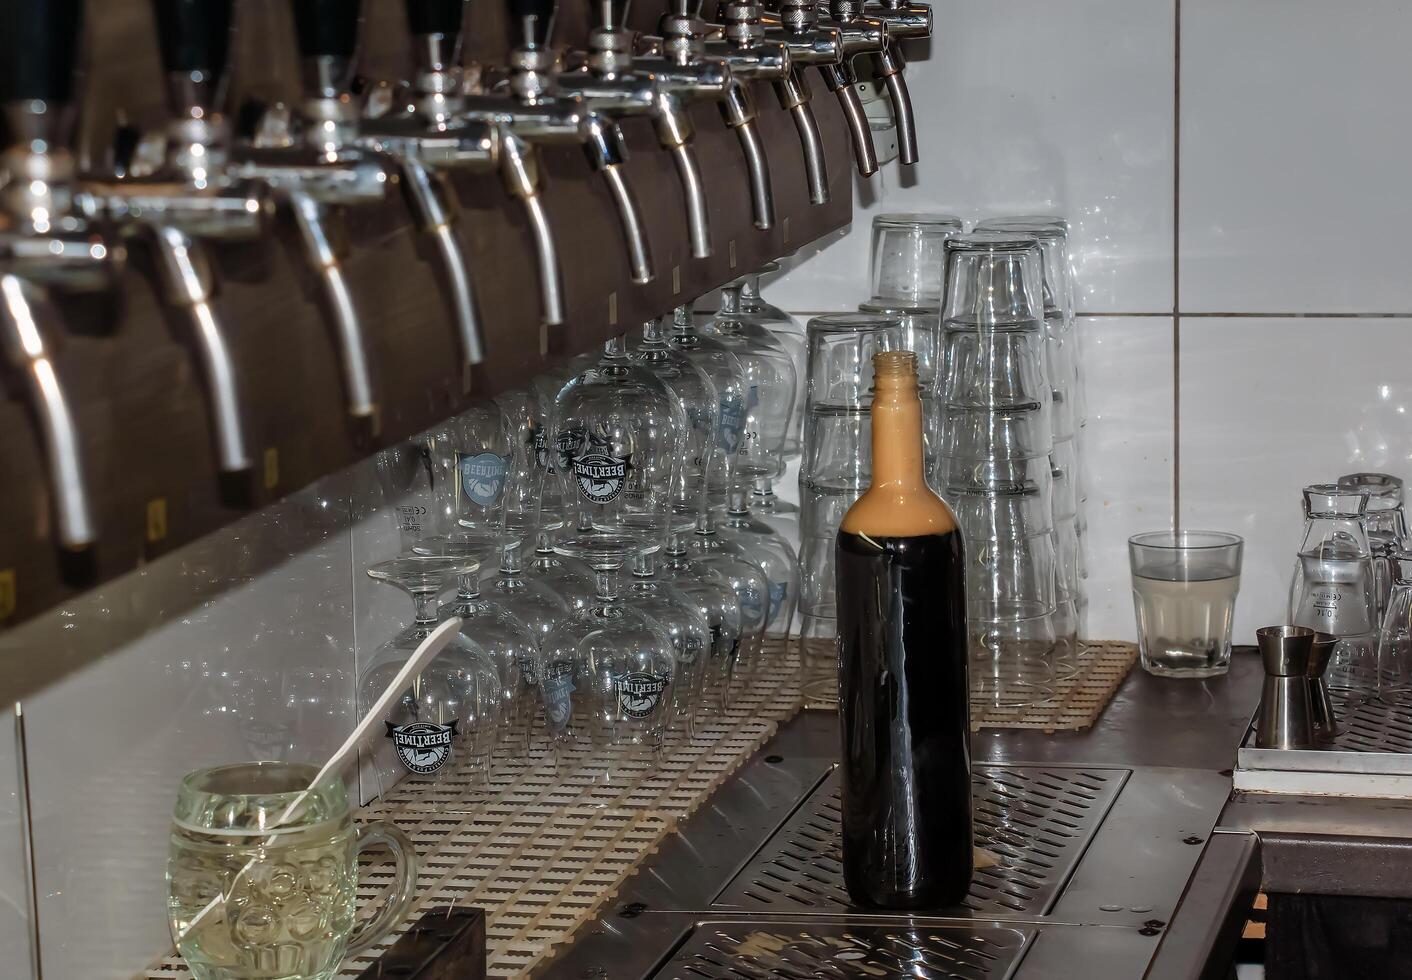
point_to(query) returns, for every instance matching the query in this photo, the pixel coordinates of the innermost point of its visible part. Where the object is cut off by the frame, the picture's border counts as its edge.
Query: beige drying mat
(1078, 700)
(540, 849)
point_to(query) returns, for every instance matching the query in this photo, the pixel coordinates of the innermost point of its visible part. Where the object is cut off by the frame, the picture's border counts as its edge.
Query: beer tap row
(209, 177)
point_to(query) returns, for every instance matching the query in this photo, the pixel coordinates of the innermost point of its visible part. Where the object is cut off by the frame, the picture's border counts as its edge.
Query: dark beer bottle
(903, 702)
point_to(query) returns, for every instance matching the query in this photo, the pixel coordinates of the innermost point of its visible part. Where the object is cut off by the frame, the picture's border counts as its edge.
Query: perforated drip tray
(1089, 865)
(1370, 757)
(1036, 822)
(750, 950)
(1374, 726)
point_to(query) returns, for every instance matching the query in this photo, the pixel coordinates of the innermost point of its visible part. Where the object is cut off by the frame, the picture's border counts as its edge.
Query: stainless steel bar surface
(1090, 858)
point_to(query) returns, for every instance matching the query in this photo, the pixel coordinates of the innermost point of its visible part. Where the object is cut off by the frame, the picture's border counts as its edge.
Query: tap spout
(633, 232)
(863, 150)
(607, 151)
(698, 223)
(739, 111)
(519, 170)
(890, 67)
(437, 220)
(188, 282)
(26, 315)
(761, 194)
(311, 219)
(795, 97)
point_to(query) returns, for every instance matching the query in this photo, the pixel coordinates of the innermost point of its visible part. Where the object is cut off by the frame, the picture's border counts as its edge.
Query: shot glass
(1184, 593)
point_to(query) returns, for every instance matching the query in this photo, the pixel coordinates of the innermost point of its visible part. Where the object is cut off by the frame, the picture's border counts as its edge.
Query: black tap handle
(534, 17)
(435, 16)
(194, 35)
(326, 27)
(39, 42)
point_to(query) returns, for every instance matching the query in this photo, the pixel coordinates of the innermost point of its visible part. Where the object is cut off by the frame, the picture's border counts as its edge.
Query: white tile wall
(1292, 130)
(1270, 405)
(1127, 458)
(263, 670)
(1034, 106)
(1295, 133)
(14, 887)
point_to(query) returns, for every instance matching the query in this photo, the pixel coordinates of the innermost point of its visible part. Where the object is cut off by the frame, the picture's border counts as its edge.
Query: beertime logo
(638, 693)
(538, 443)
(482, 477)
(422, 747)
(732, 423)
(600, 476)
(566, 443)
(556, 690)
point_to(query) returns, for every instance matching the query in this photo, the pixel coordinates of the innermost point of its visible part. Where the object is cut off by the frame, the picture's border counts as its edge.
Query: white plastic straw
(422, 656)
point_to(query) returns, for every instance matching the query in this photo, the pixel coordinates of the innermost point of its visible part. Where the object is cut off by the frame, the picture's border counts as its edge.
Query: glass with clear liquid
(262, 874)
(1184, 592)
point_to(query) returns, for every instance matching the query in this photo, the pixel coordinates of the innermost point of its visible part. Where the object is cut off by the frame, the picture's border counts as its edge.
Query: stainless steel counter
(1111, 863)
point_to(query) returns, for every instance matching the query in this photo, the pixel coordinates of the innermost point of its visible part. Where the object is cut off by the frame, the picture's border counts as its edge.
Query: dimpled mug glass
(286, 862)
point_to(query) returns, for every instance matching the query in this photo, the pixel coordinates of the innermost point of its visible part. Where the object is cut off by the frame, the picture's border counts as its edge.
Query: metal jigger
(1286, 709)
(1325, 721)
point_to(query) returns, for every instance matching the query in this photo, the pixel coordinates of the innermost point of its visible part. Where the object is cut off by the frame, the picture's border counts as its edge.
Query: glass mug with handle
(262, 876)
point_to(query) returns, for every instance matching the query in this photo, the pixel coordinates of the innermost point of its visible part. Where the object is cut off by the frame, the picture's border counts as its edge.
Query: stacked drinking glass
(1062, 362)
(996, 467)
(837, 463)
(907, 259)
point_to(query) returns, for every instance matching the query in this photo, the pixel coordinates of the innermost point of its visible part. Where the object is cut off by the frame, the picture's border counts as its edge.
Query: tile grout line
(1176, 264)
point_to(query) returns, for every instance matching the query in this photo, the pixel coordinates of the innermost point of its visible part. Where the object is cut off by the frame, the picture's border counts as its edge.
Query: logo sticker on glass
(482, 477)
(539, 448)
(567, 443)
(423, 748)
(752, 605)
(639, 693)
(778, 592)
(600, 476)
(557, 688)
(732, 423)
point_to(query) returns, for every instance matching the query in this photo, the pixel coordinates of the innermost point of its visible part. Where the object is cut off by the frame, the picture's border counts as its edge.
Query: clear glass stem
(730, 297)
(749, 300)
(426, 608)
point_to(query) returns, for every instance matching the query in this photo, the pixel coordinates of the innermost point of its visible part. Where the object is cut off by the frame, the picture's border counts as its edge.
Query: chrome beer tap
(796, 23)
(860, 34)
(679, 56)
(309, 159)
(744, 30)
(608, 83)
(542, 112)
(904, 19)
(44, 240)
(739, 40)
(188, 198)
(428, 139)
